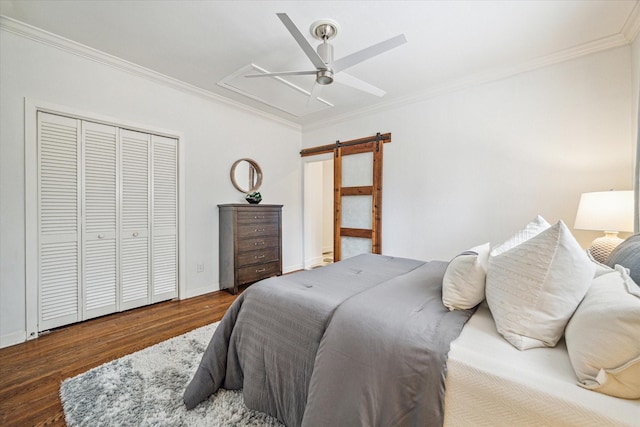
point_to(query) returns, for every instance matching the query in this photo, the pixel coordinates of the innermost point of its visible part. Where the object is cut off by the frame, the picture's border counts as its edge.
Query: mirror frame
(254, 168)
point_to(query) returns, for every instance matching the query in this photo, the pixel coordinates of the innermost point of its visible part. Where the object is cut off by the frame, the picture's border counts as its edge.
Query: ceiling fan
(322, 58)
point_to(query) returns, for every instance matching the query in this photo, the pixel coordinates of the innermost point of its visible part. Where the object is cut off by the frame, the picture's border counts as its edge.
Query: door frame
(32, 106)
(374, 144)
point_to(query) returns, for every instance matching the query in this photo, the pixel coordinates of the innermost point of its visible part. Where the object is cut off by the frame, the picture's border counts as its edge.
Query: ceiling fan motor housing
(325, 51)
(324, 77)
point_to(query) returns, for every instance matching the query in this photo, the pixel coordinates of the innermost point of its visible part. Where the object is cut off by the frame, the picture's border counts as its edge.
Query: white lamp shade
(605, 211)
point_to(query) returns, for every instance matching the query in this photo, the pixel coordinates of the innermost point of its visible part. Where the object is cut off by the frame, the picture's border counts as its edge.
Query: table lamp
(608, 211)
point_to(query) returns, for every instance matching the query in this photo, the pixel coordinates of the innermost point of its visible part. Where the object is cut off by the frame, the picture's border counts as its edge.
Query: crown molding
(596, 46)
(627, 35)
(53, 40)
(631, 28)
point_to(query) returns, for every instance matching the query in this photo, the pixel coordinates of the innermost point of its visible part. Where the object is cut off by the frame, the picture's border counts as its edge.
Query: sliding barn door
(357, 199)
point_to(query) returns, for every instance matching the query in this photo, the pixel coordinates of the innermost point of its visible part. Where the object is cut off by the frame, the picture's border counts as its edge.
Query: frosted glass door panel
(356, 212)
(352, 246)
(357, 170)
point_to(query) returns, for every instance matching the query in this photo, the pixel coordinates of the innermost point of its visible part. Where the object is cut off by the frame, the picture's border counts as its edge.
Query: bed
(290, 342)
(491, 383)
(369, 341)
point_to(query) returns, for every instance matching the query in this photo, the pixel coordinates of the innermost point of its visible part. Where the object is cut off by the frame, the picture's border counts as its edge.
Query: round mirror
(246, 171)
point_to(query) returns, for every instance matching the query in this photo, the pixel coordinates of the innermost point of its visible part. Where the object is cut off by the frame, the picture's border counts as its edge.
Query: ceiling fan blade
(302, 41)
(283, 73)
(369, 52)
(356, 83)
(315, 91)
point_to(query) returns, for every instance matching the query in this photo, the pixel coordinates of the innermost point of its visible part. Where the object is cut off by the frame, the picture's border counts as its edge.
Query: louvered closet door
(165, 218)
(134, 261)
(100, 215)
(58, 221)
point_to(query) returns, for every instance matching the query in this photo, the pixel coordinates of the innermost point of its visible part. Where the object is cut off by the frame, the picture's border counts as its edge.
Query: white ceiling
(450, 43)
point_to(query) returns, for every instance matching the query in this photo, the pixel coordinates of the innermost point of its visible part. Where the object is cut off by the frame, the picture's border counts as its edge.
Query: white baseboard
(327, 249)
(190, 293)
(294, 267)
(13, 339)
(313, 262)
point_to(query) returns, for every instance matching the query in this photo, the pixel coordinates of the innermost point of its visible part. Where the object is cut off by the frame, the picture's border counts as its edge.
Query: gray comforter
(360, 342)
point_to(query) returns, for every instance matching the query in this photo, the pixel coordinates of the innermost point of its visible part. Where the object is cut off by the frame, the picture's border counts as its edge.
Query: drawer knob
(100, 236)
(260, 256)
(258, 243)
(135, 234)
(261, 270)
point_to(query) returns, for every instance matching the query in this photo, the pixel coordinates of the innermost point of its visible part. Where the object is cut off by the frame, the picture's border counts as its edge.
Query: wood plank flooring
(31, 372)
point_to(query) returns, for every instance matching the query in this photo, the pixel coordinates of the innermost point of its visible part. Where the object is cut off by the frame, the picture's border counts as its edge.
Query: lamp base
(602, 247)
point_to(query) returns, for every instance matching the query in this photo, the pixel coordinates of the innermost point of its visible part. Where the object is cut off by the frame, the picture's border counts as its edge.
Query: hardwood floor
(31, 372)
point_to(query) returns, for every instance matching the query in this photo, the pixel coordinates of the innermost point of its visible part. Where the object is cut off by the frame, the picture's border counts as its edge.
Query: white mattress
(491, 383)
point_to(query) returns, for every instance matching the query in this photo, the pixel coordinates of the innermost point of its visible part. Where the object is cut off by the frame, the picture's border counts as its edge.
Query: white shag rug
(145, 389)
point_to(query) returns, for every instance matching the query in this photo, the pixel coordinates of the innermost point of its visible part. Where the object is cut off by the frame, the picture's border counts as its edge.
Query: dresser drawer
(252, 230)
(258, 243)
(259, 256)
(268, 217)
(257, 272)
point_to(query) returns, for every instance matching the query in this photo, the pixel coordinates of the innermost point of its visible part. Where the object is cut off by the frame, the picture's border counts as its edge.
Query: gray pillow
(627, 254)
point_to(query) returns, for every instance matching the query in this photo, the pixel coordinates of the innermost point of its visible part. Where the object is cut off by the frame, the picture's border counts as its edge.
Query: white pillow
(463, 281)
(600, 267)
(534, 288)
(603, 336)
(535, 227)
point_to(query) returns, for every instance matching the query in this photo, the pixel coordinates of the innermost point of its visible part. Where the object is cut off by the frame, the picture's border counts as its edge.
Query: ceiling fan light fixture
(324, 77)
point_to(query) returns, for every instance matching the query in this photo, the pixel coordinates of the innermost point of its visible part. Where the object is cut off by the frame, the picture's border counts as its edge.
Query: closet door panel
(165, 218)
(58, 221)
(135, 269)
(100, 219)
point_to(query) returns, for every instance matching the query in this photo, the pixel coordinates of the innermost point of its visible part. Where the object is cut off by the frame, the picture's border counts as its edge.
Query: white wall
(312, 214)
(475, 165)
(635, 107)
(327, 206)
(216, 134)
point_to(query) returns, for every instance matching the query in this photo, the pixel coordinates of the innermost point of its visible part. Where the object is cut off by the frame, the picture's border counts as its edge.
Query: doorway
(318, 212)
(354, 192)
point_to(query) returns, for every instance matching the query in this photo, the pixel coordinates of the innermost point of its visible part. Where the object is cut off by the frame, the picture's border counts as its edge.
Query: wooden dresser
(250, 244)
